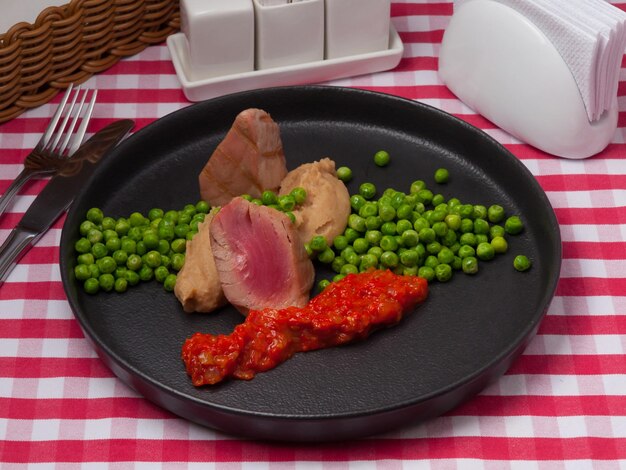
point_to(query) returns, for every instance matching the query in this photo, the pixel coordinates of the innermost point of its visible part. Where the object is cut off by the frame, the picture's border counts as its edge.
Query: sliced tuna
(260, 257)
(198, 287)
(249, 160)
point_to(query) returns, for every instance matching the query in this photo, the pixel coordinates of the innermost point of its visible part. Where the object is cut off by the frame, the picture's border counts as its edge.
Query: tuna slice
(198, 286)
(260, 258)
(249, 160)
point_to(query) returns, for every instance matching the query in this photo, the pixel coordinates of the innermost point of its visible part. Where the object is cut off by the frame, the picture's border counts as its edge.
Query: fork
(58, 143)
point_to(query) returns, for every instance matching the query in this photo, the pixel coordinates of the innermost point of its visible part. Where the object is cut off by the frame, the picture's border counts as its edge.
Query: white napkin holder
(503, 67)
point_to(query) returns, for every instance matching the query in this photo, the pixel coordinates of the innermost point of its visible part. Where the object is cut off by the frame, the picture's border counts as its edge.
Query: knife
(58, 194)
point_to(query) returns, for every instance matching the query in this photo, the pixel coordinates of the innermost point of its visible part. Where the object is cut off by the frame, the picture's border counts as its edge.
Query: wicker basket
(70, 43)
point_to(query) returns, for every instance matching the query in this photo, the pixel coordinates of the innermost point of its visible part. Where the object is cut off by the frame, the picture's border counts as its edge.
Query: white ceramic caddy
(203, 59)
(503, 67)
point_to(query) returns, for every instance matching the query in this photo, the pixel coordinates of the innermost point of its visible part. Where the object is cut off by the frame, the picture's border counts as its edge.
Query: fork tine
(55, 119)
(69, 132)
(78, 137)
(59, 133)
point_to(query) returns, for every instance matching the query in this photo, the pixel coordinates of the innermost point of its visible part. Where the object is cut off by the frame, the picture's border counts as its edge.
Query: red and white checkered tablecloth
(562, 405)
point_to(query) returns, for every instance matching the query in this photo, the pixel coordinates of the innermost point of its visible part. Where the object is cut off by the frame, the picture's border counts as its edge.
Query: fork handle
(9, 194)
(14, 247)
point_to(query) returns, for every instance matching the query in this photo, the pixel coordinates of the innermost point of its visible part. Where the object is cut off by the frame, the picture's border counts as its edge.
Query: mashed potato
(327, 206)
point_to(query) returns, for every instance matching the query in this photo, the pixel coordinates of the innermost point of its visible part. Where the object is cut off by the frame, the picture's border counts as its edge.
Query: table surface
(561, 405)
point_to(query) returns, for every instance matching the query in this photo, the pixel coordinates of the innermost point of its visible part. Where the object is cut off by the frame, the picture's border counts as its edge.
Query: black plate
(466, 334)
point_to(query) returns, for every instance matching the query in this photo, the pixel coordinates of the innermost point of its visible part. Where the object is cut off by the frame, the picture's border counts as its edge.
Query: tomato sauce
(345, 311)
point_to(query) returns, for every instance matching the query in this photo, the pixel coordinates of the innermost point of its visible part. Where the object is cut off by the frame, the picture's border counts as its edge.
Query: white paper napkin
(590, 36)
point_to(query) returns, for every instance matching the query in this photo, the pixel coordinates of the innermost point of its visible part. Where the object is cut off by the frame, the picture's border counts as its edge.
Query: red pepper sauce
(345, 311)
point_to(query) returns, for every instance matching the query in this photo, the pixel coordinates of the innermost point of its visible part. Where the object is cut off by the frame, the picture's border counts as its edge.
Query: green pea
(470, 265)
(287, 202)
(445, 256)
(85, 227)
(82, 245)
(94, 236)
(160, 273)
(409, 258)
(337, 263)
(99, 250)
(499, 245)
(382, 158)
(132, 277)
(299, 194)
(152, 259)
(203, 207)
(356, 202)
(95, 215)
(113, 244)
(360, 245)
(106, 264)
(427, 273)
(466, 251)
(323, 284)
(134, 262)
(177, 261)
(367, 190)
(368, 261)
(122, 227)
(318, 243)
(417, 186)
(479, 212)
(93, 269)
(388, 228)
(178, 245)
(495, 213)
(351, 234)
(120, 285)
(86, 258)
(350, 256)
(443, 272)
(373, 237)
(513, 225)
(427, 235)
(522, 263)
(484, 251)
(349, 269)
(338, 277)
(82, 272)
(344, 173)
(468, 239)
(386, 212)
(356, 222)
(496, 231)
(410, 238)
(442, 175)
(373, 222)
(91, 285)
(269, 197)
(433, 247)
(326, 256)
(340, 242)
(106, 282)
(368, 209)
(403, 225)
(481, 226)
(146, 273)
(142, 249)
(388, 243)
(389, 259)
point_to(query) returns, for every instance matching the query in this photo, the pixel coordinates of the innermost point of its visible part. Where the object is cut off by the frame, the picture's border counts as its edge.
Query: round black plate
(466, 334)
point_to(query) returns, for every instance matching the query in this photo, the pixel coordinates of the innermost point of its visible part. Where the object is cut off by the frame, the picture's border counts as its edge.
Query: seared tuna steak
(249, 160)
(260, 257)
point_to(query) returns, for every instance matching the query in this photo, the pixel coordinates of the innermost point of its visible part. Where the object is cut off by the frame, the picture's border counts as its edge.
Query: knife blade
(56, 197)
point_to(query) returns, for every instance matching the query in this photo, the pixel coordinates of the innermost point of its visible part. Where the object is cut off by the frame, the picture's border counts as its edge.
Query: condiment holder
(227, 46)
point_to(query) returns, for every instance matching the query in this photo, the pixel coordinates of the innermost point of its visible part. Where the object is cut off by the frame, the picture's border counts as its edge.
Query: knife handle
(14, 247)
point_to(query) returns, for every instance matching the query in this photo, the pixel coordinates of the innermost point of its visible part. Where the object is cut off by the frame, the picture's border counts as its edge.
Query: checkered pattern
(562, 405)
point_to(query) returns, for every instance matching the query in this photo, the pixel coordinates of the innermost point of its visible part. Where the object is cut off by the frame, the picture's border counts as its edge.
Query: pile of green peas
(416, 233)
(284, 203)
(115, 253)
